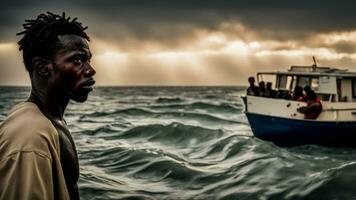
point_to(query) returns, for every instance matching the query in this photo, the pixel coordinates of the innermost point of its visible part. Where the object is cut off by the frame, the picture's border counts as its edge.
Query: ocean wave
(176, 134)
(222, 107)
(127, 111)
(339, 178)
(169, 100)
(251, 177)
(184, 115)
(190, 143)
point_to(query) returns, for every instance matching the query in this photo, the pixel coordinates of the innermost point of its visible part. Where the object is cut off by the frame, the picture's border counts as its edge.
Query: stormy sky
(181, 42)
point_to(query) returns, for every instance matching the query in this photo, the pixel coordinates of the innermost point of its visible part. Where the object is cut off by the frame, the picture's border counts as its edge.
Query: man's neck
(51, 104)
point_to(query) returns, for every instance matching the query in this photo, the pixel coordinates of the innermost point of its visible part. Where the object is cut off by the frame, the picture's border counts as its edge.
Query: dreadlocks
(41, 36)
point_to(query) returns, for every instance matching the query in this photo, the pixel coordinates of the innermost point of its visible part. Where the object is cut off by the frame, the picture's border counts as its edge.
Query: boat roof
(313, 71)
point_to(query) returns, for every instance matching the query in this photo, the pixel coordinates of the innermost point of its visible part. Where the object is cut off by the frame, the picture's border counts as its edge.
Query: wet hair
(251, 78)
(298, 91)
(307, 88)
(262, 84)
(40, 37)
(311, 95)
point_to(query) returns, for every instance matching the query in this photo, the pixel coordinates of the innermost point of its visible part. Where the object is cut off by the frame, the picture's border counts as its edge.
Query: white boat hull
(278, 121)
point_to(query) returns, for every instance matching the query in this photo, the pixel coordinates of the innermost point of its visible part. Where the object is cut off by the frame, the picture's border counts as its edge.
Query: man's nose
(89, 71)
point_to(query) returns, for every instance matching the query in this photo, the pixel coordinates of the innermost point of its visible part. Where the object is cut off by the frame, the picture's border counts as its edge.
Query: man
(37, 152)
(306, 89)
(313, 108)
(269, 91)
(253, 89)
(261, 89)
(298, 94)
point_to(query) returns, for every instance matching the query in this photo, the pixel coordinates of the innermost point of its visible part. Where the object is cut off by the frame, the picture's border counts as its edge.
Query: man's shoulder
(26, 128)
(26, 116)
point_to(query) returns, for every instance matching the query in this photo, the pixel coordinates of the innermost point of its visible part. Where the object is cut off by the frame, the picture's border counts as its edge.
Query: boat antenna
(315, 64)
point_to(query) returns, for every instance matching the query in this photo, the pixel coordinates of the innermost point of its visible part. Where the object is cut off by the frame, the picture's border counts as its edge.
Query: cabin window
(284, 82)
(267, 78)
(353, 88)
(303, 81)
(325, 84)
(315, 84)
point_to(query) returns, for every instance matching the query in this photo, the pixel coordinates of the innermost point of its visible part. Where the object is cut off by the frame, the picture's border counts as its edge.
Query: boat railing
(339, 109)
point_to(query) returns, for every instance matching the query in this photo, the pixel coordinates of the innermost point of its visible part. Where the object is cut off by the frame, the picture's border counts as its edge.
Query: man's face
(72, 72)
(251, 81)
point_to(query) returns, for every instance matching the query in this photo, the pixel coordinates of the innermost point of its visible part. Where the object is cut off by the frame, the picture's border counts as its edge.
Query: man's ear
(41, 66)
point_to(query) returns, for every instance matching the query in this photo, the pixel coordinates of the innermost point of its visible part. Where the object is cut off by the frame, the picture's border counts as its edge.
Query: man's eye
(77, 61)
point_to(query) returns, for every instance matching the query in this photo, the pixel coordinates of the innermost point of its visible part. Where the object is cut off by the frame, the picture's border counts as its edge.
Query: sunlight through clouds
(223, 56)
(192, 42)
(338, 37)
(195, 61)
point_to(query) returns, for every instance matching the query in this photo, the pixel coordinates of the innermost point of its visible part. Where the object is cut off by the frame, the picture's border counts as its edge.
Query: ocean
(190, 143)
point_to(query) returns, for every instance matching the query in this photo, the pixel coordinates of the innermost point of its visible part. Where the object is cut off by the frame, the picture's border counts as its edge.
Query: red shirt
(313, 109)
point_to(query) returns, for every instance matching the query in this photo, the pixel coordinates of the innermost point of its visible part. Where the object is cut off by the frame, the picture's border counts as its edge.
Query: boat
(277, 119)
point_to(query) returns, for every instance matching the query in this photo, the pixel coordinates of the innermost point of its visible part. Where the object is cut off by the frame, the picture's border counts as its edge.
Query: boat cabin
(330, 84)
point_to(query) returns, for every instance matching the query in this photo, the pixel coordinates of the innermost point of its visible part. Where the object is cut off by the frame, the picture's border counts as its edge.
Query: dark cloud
(166, 20)
(344, 47)
(131, 26)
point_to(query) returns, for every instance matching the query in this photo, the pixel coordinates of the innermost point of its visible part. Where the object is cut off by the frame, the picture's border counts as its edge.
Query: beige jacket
(30, 166)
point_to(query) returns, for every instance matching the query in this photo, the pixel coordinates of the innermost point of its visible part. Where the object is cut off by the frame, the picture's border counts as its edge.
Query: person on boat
(298, 94)
(262, 89)
(284, 94)
(313, 108)
(38, 155)
(269, 91)
(252, 89)
(306, 89)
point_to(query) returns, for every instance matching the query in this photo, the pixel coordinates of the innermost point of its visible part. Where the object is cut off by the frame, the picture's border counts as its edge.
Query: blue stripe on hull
(289, 132)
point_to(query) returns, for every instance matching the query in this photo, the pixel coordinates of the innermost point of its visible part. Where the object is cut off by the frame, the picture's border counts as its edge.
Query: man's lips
(88, 85)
